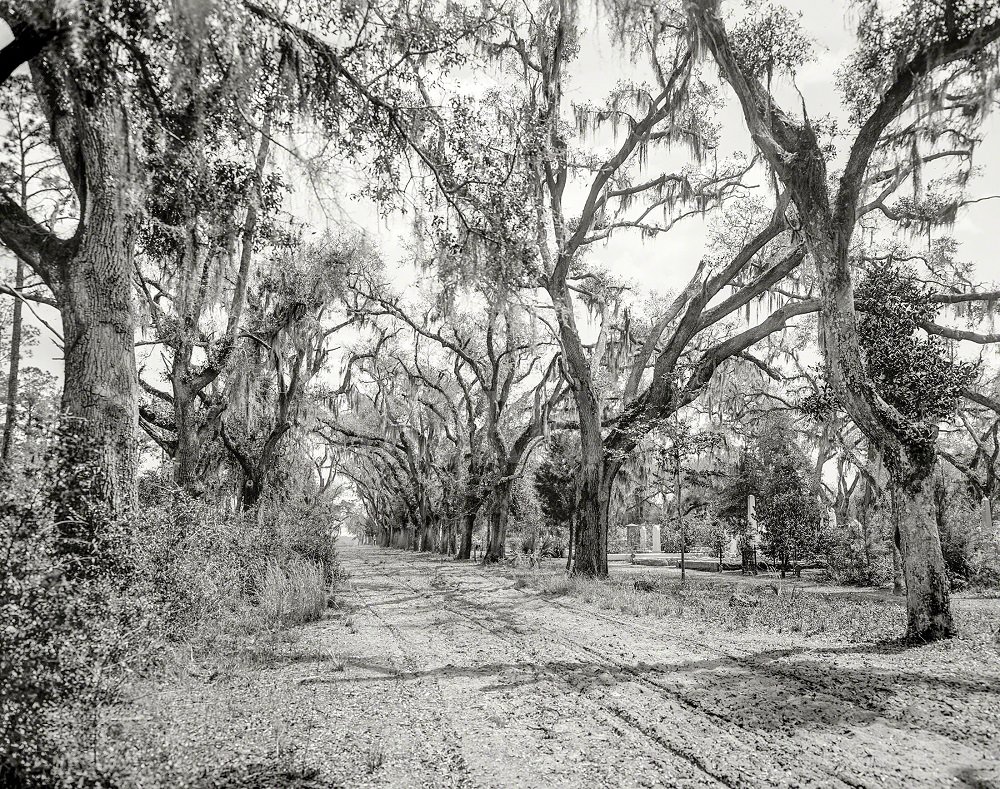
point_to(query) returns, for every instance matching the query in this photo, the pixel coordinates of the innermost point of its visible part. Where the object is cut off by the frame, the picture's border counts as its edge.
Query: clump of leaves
(820, 404)
(770, 40)
(911, 372)
(893, 34)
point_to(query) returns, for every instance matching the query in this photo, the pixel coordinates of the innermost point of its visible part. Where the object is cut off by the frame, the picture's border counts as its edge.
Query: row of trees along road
(151, 197)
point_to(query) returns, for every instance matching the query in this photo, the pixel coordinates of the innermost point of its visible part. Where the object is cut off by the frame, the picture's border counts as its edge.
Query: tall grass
(708, 603)
(292, 594)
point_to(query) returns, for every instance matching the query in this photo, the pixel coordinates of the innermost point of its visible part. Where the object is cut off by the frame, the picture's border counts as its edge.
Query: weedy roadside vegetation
(90, 608)
(779, 608)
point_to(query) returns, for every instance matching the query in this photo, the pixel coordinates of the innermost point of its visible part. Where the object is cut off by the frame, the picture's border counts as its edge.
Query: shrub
(554, 545)
(210, 571)
(984, 564)
(37, 648)
(198, 564)
(85, 601)
(856, 561)
(303, 528)
(64, 625)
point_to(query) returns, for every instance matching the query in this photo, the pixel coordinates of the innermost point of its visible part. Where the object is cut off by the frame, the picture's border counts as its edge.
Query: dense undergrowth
(90, 607)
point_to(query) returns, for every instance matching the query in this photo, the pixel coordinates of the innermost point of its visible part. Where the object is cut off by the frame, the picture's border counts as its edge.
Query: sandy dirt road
(452, 677)
(436, 673)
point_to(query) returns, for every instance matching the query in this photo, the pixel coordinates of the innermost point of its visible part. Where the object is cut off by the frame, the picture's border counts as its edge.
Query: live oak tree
(104, 74)
(75, 57)
(296, 307)
(624, 191)
(927, 62)
(211, 216)
(662, 114)
(509, 381)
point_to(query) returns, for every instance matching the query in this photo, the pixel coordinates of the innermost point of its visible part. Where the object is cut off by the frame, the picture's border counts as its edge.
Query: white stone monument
(654, 538)
(643, 545)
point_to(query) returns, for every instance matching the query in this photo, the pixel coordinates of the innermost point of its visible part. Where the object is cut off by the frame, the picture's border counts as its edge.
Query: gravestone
(643, 545)
(654, 538)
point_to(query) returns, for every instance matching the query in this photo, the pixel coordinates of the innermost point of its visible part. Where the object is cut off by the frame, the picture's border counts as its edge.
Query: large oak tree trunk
(590, 546)
(795, 154)
(188, 452)
(909, 462)
(98, 312)
(928, 604)
(589, 540)
(472, 505)
(898, 586)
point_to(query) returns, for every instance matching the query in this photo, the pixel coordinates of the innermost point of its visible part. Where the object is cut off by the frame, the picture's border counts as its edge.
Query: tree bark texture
(100, 391)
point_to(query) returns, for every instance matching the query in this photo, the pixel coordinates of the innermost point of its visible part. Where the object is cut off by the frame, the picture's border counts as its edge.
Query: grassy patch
(780, 608)
(292, 595)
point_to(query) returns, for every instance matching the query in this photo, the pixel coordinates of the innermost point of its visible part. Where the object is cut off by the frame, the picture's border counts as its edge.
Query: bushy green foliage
(555, 479)
(731, 502)
(205, 565)
(85, 602)
(65, 627)
(770, 41)
(531, 529)
(773, 469)
(914, 374)
(971, 551)
(786, 507)
(304, 530)
(40, 627)
(703, 529)
(858, 557)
